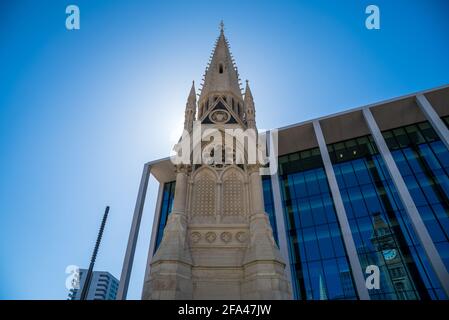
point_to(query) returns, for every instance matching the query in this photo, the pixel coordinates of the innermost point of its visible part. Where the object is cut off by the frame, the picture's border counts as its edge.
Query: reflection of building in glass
(366, 186)
(346, 283)
(392, 261)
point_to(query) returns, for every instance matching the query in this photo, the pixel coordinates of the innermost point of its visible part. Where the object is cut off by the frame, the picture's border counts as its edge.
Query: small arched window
(220, 68)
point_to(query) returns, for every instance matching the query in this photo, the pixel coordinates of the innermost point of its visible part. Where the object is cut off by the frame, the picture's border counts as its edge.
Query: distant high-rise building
(103, 286)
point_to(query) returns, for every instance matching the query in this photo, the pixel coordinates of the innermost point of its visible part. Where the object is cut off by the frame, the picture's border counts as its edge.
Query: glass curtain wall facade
(168, 196)
(380, 228)
(269, 204)
(319, 263)
(423, 161)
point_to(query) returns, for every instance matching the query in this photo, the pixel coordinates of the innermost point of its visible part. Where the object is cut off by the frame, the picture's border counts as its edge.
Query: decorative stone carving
(204, 195)
(241, 236)
(211, 236)
(183, 168)
(233, 204)
(244, 263)
(195, 237)
(251, 168)
(226, 236)
(219, 116)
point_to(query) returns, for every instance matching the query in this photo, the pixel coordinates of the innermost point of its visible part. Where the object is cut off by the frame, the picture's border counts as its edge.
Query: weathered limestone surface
(218, 242)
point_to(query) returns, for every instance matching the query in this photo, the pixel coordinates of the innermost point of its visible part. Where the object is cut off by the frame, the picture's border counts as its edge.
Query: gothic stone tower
(218, 242)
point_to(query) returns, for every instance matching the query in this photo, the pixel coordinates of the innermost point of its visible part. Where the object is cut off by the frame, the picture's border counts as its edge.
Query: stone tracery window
(233, 199)
(204, 194)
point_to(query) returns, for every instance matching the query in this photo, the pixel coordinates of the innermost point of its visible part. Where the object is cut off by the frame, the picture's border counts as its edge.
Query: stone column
(264, 268)
(219, 201)
(255, 184)
(179, 202)
(171, 267)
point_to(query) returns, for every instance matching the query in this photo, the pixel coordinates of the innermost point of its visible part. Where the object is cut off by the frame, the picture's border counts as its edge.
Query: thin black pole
(94, 256)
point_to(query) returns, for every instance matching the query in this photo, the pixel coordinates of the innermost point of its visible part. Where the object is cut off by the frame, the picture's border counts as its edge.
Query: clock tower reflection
(391, 262)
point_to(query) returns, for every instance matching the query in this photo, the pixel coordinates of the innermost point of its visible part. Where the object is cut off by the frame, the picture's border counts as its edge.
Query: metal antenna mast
(94, 256)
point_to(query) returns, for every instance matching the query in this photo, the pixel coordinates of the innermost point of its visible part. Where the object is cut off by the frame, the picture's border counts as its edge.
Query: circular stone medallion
(226, 237)
(219, 116)
(241, 236)
(210, 237)
(195, 237)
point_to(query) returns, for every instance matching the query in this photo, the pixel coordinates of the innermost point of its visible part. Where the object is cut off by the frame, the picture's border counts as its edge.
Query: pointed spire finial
(191, 101)
(190, 111)
(221, 73)
(248, 95)
(249, 107)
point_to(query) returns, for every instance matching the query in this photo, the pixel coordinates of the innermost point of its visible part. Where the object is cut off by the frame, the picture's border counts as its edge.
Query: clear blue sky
(82, 111)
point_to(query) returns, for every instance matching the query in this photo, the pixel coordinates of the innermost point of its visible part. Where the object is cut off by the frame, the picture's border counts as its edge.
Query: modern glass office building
(369, 186)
